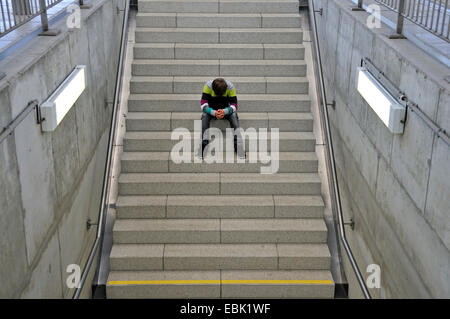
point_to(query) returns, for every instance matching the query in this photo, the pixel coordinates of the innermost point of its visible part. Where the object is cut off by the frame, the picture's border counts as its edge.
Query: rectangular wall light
(60, 102)
(388, 109)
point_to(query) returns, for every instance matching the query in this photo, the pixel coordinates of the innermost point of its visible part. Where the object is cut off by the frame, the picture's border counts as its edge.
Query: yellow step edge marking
(164, 282)
(277, 282)
(218, 282)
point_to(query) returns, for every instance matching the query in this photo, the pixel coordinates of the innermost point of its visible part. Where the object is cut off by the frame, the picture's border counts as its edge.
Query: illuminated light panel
(381, 101)
(60, 102)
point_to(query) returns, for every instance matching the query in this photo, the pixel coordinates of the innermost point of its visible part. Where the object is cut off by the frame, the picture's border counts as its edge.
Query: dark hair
(219, 86)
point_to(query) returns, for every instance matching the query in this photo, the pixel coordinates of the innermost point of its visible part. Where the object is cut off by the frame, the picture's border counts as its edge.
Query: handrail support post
(83, 5)
(44, 21)
(400, 21)
(359, 7)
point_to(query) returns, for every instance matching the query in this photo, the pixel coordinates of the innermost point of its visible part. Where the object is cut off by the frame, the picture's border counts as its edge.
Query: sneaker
(240, 154)
(202, 155)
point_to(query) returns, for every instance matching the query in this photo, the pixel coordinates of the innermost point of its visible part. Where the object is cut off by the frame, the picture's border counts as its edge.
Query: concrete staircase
(218, 230)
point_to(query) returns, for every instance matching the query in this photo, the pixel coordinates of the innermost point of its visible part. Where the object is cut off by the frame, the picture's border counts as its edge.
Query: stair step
(258, 6)
(210, 68)
(163, 231)
(219, 35)
(218, 20)
(222, 51)
(219, 256)
(215, 184)
(136, 257)
(134, 207)
(222, 6)
(163, 284)
(161, 141)
(277, 284)
(173, 183)
(217, 284)
(273, 230)
(190, 231)
(276, 184)
(244, 85)
(165, 121)
(161, 162)
(303, 256)
(191, 102)
(219, 206)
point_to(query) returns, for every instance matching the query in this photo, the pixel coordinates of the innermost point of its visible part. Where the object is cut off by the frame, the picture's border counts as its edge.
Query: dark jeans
(233, 119)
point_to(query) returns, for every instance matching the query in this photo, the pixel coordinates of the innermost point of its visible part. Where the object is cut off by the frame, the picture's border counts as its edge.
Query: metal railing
(431, 15)
(331, 164)
(9, 129)
(15, 13)
(112, 135)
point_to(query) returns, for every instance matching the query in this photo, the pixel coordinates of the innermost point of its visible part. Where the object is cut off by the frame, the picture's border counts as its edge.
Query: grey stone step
(219, 256)
(220, 283)
(214, 68)
(171, 6)
(215, 184)
(277, 284)
(276, 184)
(261, 35)
(219, 35)
(191, 102)
(222, 51)
(303, 256)
(161, 141)
(136, 257)
(225, 231)
(165, 183)
(165, 121)
(273, 230)
(218, 20)
(219, 206)
(164, 231)
(258, 6)
(244, 85)
(161, 162)
(222, 6)
(141, 207)
(163, 284)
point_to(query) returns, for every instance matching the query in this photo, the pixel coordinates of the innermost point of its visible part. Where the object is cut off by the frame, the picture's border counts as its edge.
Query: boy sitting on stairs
(219, 101)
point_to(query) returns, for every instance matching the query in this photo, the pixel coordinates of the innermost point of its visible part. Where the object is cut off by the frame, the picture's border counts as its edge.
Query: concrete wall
(395, 187)
(51, 182)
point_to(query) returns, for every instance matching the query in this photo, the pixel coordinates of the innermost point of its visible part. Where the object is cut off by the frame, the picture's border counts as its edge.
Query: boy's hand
(220, 114)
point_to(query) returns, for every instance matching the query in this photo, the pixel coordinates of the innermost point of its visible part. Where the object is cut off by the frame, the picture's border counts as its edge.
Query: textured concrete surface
(393, 186)
(53, 180)
(13, 259)
(207, 290)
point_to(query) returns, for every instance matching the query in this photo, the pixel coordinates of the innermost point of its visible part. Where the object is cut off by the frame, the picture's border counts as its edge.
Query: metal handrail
(112, 134)
(335, 194)
(431, 15)
(8, 130)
